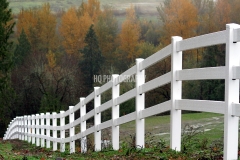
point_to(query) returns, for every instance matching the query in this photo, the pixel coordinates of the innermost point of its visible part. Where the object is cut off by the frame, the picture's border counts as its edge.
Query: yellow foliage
(130, 35)
(39, 25)
(51, 59)
(181, 20)
(74, 29)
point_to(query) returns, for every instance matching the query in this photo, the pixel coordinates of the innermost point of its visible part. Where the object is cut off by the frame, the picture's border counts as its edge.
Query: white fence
(30, 127)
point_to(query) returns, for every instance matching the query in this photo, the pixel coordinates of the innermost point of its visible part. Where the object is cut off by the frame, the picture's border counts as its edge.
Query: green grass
(19, 149)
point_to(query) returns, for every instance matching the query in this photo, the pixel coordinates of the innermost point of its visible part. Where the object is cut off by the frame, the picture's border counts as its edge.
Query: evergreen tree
(6, 93)
(23, 48)
(92, 59)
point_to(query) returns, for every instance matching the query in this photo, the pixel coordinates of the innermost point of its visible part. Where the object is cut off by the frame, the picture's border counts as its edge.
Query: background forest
(54, 55)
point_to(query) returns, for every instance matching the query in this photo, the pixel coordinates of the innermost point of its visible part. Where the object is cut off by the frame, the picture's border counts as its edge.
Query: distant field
(146, 7)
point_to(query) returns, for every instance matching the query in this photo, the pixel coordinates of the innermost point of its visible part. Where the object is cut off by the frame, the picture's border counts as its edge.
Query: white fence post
(42, 130)
(115, 113)
(176, 94)
(62, 124)
(97, 119)
(72, 129)
(48, 130)
(37, 130)
(33, 129)
(140, 105)
(231, 95)
(54, 124)
(29, 129)
(83, 125)
(25, 128)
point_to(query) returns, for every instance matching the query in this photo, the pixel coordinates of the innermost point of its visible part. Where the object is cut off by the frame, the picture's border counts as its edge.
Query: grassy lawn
(209, 133)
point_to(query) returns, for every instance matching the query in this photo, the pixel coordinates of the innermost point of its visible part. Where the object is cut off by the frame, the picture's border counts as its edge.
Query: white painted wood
(42, 131)
(48, 130)
(236, 109)
(231, 95)
(157, 109)
(202, 41)
(126, 74)
(155, 83)
(106, 105)
(71, 130)
(139, 106)
(201, 105)
(97, 119)
(236, 35)
(37, 130)
(201, 73)
(83, 125)
(89, 115)
(125, 97)
(236, 72)
(33, 129)
(105, 87)
(158, 56)
(176, 94)
(29, 129)
(54, 123)
(62, 133)
(124, 119)
(89, 98)
(115, 113)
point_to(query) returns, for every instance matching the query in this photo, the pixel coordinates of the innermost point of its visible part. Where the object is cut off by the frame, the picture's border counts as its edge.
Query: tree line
(48, 61)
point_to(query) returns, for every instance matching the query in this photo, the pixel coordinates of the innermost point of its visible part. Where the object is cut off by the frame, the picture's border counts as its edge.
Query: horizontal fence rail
(38, 130)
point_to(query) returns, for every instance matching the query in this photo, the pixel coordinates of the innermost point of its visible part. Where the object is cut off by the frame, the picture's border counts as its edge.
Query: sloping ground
(142, 6)
(208, 125)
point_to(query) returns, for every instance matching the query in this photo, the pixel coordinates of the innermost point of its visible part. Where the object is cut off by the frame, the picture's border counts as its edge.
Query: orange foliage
(130, 35)
(181, 20)
(92, 8)
(73, 29)
(222, 14)
(39, 25)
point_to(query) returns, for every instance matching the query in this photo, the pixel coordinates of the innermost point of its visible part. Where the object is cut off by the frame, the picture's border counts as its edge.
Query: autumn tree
(91, 8)
(6, 92)
(39, 24)
(129, 37)
(179, 19)
(73, 29)
(222, 14)
(106, 30)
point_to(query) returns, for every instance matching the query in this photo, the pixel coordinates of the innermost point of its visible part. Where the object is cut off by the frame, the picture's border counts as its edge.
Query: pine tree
(6, 93)
(23, 48)
(92, 58)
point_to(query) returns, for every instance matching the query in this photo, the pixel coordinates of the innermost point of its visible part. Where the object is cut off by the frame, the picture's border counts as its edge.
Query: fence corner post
(115, 112)
(97, 120)
(140, 105)
(83, 125)
(62, 124)
(231, 95)
(176, 94)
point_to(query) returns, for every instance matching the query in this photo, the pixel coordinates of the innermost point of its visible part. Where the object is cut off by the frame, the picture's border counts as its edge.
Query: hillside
(148, 7)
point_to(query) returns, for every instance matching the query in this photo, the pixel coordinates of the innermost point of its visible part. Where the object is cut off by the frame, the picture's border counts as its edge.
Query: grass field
(210, 126)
